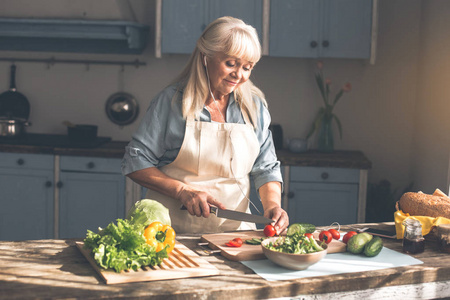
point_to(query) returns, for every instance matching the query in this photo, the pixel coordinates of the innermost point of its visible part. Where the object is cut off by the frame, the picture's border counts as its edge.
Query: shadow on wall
(381, 201)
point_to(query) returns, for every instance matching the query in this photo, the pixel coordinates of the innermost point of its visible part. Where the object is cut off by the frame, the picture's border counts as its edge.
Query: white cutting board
(335, 263)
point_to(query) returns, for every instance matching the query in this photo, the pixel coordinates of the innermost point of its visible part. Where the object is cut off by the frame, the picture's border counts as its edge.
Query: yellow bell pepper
(160, 236)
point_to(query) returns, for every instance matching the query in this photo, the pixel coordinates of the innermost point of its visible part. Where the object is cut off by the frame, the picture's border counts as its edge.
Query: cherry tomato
(309, 235)
(335, 234)
(348, 235)
(269, 230)
(325, 236)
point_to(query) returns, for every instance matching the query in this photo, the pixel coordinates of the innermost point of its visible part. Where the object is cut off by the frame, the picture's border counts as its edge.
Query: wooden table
(49, 269)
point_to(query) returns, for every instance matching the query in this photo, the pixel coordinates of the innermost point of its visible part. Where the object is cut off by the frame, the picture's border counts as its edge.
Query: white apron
(216, 158)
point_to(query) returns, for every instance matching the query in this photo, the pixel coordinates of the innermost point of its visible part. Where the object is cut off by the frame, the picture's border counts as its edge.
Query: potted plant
(323, 123)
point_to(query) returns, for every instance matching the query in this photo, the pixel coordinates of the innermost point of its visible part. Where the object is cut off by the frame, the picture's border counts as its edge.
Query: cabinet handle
(313, 44)
(90, 165)
(325, 175)
(20, 161)
(59, 184)
(325, 43)
(291, 195)
(48, 184)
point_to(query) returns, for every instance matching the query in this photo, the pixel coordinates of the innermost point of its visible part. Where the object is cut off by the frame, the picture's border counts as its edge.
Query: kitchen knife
(236, 215)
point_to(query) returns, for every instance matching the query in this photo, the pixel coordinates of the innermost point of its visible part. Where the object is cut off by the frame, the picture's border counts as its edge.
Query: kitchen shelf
(69, 35)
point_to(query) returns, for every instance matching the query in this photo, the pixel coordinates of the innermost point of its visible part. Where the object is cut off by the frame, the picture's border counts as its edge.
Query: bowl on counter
(292, 261)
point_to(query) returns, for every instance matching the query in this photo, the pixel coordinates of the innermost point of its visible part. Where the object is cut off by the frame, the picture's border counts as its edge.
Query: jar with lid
(444, 237)
(413, 240)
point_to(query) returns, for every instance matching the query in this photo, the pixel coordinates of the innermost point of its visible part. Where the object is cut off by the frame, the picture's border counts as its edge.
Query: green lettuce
(122, 247)
(147, 211)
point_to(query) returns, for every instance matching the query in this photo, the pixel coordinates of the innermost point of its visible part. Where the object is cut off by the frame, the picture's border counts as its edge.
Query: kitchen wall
(395, 113)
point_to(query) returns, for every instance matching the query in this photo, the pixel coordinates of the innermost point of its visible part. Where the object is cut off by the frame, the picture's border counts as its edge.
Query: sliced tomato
(238, 240)
(233, 243)
(334, 233)
(325, 236)
(309, 235)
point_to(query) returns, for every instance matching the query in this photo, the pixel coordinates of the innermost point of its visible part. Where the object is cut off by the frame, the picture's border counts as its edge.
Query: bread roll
(420, 204)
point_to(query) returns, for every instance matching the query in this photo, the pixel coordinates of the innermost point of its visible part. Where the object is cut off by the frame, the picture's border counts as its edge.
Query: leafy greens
(122, 246)
(295, 244)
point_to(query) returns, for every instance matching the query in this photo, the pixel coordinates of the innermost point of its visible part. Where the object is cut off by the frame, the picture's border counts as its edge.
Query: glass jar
(413, 240)
(444, 237)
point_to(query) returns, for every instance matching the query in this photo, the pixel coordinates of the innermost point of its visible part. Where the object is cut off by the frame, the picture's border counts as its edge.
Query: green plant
(325, 116)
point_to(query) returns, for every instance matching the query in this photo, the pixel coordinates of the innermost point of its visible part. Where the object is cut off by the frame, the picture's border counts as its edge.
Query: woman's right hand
(197, 202)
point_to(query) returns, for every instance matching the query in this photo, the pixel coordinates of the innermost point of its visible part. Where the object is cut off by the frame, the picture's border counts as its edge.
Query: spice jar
(444, 237)
(413, 240)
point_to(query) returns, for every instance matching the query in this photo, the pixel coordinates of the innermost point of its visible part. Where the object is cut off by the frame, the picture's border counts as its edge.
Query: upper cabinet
(78, 36)
(322, 28)
(182, 22)
(287, 28)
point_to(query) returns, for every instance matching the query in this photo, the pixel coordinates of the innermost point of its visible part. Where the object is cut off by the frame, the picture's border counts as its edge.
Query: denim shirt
(160, 135)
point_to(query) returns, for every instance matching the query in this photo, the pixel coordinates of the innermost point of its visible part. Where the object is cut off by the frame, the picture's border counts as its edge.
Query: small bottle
(413, 241)
(444, 237)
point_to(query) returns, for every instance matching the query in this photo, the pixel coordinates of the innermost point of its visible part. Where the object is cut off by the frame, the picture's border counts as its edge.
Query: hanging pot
(14, 105)
(12, 127)
(122, 108)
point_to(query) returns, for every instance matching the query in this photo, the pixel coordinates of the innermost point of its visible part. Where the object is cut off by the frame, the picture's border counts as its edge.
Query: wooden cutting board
(182, 263)
(216, 241)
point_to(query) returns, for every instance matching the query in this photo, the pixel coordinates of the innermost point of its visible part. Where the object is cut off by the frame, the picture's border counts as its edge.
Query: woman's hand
(197, 202)
(279, 216)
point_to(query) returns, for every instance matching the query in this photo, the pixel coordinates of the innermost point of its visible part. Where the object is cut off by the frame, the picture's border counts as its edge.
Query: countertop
(49, 269)
(115, 149)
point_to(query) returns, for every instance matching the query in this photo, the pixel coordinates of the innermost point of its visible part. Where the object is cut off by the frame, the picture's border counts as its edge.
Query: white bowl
(292, 261)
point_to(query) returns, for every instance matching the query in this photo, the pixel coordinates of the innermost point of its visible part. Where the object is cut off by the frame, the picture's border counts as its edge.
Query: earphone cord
(232, 145)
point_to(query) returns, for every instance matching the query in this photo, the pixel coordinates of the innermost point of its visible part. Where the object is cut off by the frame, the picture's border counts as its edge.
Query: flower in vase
(323, 121)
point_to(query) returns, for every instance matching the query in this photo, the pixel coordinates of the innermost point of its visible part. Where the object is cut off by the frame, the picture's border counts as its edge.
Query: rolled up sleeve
(155, 140)
(267, 167)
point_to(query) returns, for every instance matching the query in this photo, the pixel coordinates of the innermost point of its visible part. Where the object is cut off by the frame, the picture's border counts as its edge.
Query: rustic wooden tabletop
(56, 269)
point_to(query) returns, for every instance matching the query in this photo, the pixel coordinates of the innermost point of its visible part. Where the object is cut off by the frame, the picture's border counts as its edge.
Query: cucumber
(357, 242)
(373, 247)
(300, 228)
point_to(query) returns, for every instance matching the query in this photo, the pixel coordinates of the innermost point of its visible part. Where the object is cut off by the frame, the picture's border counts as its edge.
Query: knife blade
(236, 215)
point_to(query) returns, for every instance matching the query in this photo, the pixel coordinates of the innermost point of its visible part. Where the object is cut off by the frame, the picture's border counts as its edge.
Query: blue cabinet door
(294, 28)
(88, 201)
(184, 21)
(26, 197)
(347, 26)
(182, 24)
(323, 203)
(322, 28)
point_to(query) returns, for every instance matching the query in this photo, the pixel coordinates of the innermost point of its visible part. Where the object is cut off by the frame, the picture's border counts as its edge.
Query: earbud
(205, 61)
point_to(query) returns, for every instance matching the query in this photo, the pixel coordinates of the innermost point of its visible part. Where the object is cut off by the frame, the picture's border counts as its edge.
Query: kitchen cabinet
(323, 195)
(45, 195)
(183, 22)
(26, 196)
(322, 28)
(91, 194)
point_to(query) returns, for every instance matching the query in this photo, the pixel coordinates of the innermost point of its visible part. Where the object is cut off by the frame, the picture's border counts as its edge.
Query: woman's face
(227, 73)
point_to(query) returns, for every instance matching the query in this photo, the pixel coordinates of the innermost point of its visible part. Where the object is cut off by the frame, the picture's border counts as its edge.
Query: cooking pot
(12, 127)
(82, 133)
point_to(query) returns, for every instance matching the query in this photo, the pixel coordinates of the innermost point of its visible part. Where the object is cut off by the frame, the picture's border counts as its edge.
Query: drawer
(26, 161)
(90, 164)
(319, 174)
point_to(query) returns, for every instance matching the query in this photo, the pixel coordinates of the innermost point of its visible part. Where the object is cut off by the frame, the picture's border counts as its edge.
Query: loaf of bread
(421, 204)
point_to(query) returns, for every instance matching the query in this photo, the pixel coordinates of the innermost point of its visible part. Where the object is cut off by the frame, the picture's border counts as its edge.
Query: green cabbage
(147, 211)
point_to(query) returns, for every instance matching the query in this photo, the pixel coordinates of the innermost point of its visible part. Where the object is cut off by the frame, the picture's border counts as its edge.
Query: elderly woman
(206, 134)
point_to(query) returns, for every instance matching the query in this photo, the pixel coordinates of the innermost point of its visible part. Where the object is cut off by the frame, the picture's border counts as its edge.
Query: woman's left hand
(280, 218)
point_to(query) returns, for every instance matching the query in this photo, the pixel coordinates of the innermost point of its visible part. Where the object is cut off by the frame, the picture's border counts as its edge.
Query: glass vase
(325, 137)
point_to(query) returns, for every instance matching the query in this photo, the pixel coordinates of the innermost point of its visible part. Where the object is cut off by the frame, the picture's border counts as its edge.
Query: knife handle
(212, 209)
